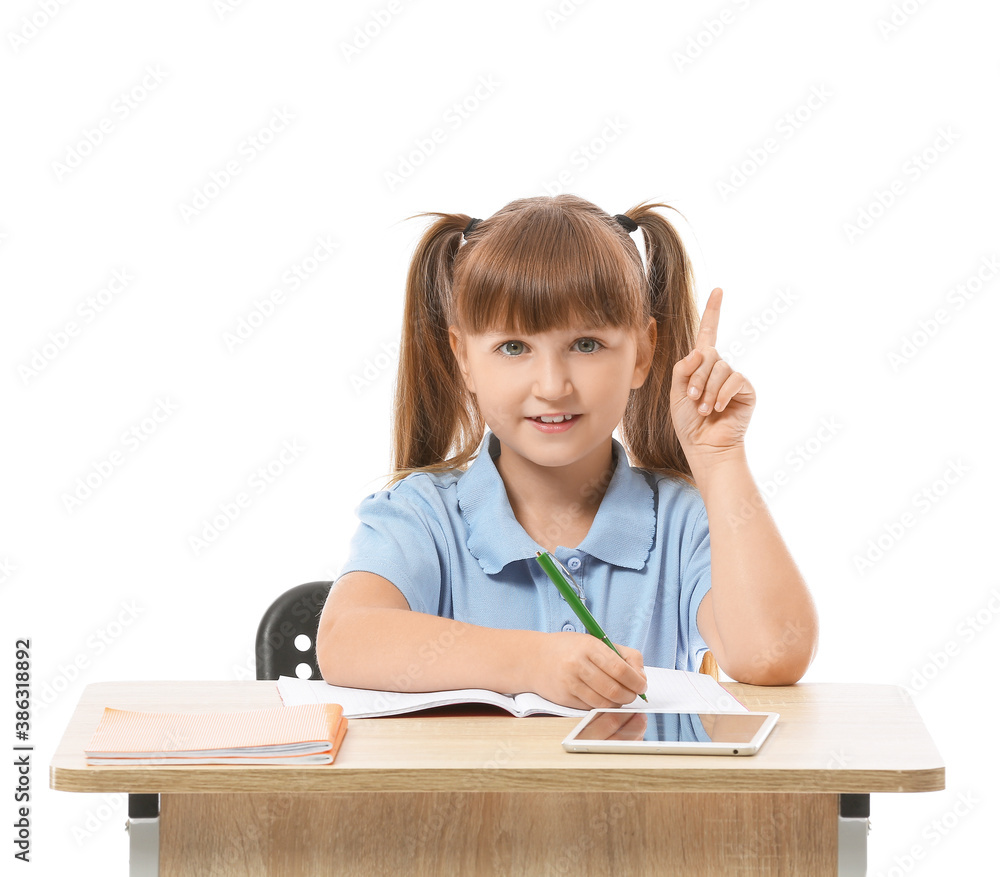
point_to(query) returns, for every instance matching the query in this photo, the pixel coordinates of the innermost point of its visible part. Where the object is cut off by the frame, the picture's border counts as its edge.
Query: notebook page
(668, 690)
(678, 690)
(684, 691)
(362, 702)
(530, 704)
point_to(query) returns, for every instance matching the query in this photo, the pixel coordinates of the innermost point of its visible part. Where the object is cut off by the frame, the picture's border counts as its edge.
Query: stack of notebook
(309, 734)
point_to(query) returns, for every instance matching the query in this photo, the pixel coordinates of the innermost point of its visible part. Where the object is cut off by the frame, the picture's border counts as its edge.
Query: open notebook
(309, 734)
(668, 690)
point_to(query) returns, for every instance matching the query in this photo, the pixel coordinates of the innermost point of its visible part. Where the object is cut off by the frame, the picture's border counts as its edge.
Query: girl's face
(585, 372)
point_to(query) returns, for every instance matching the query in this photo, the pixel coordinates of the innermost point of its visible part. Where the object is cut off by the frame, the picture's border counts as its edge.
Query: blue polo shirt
(452, 546)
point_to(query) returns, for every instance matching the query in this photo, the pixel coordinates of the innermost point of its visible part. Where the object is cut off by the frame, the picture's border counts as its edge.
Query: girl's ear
(644, 354)
(457, 343)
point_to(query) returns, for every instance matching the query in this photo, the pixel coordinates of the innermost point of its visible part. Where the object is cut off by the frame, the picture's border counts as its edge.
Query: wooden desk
(491, 794)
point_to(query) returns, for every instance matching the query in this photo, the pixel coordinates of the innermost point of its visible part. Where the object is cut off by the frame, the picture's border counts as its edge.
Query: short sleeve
(395, 539)
(696, 581)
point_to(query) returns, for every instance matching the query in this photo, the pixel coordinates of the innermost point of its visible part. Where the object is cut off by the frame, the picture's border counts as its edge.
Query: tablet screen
(670, 727)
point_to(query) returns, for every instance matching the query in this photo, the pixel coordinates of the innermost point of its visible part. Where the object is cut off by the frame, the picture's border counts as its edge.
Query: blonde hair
(537, 264)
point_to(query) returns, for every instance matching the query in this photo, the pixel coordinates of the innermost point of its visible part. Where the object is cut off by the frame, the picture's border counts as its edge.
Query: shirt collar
(622, 532)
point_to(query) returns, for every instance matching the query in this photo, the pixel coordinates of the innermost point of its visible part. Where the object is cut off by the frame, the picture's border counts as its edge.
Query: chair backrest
(709, 666)
(286, 635)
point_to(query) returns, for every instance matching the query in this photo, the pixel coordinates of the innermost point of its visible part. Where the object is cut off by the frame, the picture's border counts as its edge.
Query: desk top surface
(830, 738)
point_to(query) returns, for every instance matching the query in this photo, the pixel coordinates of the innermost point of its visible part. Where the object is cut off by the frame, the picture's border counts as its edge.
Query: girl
(540, 326)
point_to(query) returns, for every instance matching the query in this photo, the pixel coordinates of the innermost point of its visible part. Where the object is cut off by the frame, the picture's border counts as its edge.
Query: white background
(628, 101)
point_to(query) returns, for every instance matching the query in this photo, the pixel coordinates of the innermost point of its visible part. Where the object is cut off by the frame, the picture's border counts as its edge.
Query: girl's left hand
(704, 378)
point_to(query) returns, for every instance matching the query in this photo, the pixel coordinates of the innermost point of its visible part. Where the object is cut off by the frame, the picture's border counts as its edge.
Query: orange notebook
(309, 734)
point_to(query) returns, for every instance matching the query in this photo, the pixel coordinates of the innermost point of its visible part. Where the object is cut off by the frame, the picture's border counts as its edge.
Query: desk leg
(143, 835)
(684, 834)
(852, 836)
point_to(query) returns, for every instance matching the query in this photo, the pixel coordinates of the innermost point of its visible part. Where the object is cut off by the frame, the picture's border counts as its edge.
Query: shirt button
(573, 563)
(568, 627)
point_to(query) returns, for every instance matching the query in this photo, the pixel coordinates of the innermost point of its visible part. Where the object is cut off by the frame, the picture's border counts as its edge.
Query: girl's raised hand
(710, 403)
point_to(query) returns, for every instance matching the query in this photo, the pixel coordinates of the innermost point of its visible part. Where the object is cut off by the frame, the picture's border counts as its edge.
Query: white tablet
(665, 732)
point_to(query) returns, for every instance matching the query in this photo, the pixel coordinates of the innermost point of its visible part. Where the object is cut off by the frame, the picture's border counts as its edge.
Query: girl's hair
(537, 264)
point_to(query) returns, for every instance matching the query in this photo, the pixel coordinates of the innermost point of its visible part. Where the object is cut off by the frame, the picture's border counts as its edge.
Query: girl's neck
(557, 505)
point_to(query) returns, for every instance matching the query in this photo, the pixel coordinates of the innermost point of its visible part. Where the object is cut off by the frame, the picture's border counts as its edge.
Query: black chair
(295, 613)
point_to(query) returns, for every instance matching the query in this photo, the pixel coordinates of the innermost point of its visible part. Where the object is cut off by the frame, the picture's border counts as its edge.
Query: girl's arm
(758, 619)
(369, 638)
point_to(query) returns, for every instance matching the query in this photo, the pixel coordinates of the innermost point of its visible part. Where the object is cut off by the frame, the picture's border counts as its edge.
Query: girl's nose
(552, 379)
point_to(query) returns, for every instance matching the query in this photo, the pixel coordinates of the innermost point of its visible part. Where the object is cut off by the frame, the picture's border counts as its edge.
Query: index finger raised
(708, 329)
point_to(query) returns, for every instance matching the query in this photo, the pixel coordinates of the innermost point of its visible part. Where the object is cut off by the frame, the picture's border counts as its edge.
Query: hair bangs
(542, 267)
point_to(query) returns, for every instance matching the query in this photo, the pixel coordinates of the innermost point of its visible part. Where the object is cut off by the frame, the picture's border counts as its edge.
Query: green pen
(545, 561)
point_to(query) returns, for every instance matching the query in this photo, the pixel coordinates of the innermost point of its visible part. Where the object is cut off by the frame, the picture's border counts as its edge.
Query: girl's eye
(518, 348)
(589, 345)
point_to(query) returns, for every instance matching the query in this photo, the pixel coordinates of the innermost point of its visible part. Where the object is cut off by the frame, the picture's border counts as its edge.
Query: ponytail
(647, 428)
(433, 411)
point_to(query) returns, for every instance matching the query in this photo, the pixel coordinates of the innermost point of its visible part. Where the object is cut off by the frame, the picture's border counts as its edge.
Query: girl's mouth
(556, 423)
